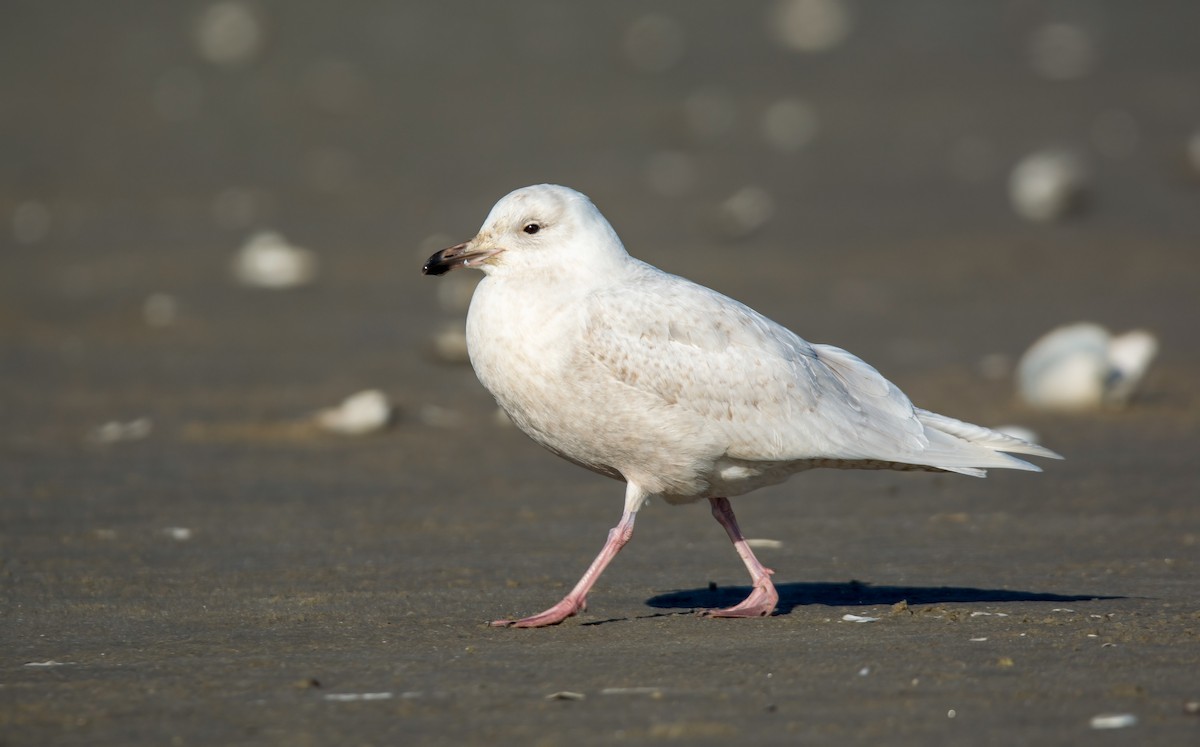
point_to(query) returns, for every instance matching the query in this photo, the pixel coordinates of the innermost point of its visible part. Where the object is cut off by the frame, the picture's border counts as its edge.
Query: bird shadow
(855, 593)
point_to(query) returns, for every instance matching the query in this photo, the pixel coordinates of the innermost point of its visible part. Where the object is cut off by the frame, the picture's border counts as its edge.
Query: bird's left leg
(576, 601)
(762, 600)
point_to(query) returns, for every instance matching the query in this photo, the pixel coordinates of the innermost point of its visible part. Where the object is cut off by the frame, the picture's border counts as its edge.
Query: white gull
(672, 387)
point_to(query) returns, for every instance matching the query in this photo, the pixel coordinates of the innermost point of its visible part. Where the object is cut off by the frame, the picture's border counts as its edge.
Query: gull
(673, 388)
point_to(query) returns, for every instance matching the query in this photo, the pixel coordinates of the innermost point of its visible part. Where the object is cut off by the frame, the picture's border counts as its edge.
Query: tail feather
(970, 449)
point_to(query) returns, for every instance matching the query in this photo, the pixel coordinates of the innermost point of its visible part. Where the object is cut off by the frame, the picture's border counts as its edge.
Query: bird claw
(760, 603)
(568, 607)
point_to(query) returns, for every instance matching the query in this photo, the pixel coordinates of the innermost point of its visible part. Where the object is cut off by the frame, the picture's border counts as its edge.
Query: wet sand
(236, 576)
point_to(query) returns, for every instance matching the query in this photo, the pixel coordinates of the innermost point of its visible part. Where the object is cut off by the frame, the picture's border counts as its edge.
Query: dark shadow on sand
(856, 593)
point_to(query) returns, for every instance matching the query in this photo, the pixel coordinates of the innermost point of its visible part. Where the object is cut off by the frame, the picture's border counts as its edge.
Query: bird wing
(772, 395)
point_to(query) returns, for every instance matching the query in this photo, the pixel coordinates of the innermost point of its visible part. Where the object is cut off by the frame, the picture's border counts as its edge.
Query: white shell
(267, 260)
(1047, 185)
(1081, 366)
(361, 413)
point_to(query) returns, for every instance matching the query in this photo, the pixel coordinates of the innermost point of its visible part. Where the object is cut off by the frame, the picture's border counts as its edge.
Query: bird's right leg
(763, 599)
(576, 601)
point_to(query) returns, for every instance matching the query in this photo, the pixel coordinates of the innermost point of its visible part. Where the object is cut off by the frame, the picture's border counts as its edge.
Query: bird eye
(532, 228)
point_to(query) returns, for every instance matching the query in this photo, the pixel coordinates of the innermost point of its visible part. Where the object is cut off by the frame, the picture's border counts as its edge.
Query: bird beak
(459, 255)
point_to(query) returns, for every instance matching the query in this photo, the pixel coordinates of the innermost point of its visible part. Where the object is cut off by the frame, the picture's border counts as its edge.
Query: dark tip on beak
(446, 260)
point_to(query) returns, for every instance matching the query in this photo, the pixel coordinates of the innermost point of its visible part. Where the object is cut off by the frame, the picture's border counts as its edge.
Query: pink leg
(761, 601)
(576, 601)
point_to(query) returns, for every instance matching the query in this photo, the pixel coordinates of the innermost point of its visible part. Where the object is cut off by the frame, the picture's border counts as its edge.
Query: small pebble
(267, 260)
(654, 692)
(228, 33)
(116, 431)
(1114, 721)
(745, 211)
(179, 534)
(365, 412)
(809, 25)
(1048, 185)
(352, 697)
(768, 544)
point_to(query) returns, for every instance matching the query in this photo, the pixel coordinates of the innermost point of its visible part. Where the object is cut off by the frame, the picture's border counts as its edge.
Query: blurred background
(847, 167)
(213, 216)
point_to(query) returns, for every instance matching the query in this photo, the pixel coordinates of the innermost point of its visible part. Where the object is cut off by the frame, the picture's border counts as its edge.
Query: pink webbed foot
(763, 599)
(760, 603)
(568, 607)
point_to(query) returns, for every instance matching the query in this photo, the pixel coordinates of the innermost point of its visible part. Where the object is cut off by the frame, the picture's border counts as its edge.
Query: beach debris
(352, 697)
(565, 695)
(860, 618)
(179, 534)
(47, 663)
(228, 33)
(768, 544)
(653, 692)
(1114, 721)
(116, 431)
(361, 413)
(1049, 185)
(1083, 365)
(745, 211)
(267, 260)
(809, 25)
